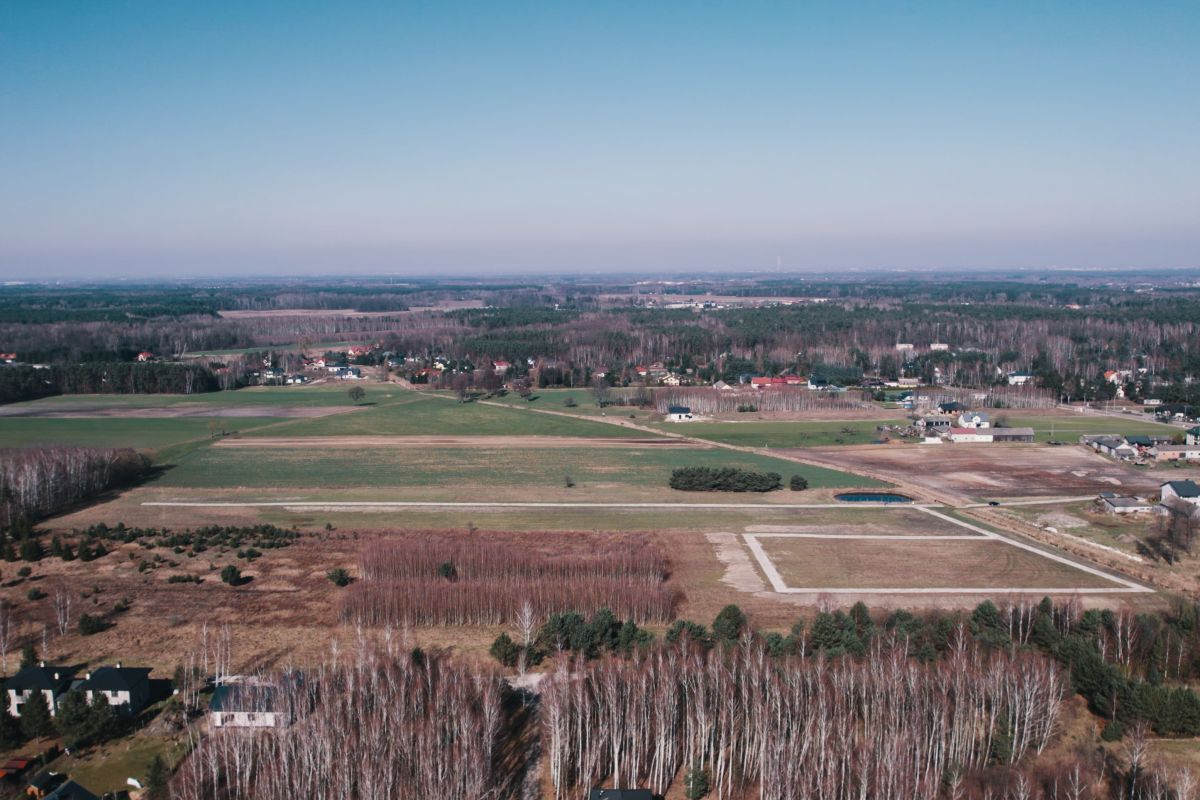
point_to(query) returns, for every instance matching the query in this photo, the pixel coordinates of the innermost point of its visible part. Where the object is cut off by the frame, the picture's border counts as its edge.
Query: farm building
(1018, 378)
(1184, 490)
(1125, 505)
(1012, 434)
(1177, 452)
(970, 435)
(933, 424)
(974, 419)
(52, 682)
(679, 414)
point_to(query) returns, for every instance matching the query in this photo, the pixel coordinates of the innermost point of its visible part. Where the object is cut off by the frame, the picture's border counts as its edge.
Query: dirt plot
(94, 411)
(966, 472)
(488, 442)
(925, 564)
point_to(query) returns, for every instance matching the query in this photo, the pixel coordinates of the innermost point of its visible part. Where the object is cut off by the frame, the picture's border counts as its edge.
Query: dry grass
(850, 563)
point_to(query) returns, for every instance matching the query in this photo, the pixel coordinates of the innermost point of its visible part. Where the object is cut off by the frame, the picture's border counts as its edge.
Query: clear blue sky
(168, 138)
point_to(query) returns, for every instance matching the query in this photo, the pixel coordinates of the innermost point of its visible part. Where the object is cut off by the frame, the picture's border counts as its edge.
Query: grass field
(149, 434)
(1069, 427)
(898, 564)
(464, 473)
(414, 414)
(816, 433)
(302, 396)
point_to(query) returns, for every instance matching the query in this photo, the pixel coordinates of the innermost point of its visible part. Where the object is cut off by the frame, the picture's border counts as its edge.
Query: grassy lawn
(106, 768)
(148, 434)
(1070, 427)
(414, 414)
(1084, 521)
(783, 434)
(466, 472)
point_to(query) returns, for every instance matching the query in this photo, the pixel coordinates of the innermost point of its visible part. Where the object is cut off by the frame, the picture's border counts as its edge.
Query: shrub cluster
(724, 479)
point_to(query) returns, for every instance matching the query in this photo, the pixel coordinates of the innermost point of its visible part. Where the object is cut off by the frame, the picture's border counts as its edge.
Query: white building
(1186, 490)
(679, 414)
(1018, 378)
(974, 419)
(969, 435)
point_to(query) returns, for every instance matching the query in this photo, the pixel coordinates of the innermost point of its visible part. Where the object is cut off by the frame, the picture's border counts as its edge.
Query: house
(817, 383)
(970, 435)
(722, 386)
(939, 347)
(1152, 401)
(145, 355)
(1193, 435)
(679, 414)
(359, 350)
(15, 768)
(762, 382)
(350, 374)
(908, 382)
(1186, 490)
(52, 682)
(71, 791)
(672, 380)
(1018, 378)
(974, 419)
(8, 358)
(1125, 505)
(1176, 452)
(500, 367)
(620, 794)
(44, 783)
(1012, 434)
(127, 688)
(247, 705)
(904, 347)
(935, 424)
(296, 379)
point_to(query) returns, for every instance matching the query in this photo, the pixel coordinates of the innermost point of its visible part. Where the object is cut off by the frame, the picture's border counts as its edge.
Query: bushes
(232, 575)
(339, 576)
(90, 625)
(798, 483)
(725, 479)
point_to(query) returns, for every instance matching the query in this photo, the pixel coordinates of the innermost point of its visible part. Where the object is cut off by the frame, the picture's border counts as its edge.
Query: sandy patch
(740, 572)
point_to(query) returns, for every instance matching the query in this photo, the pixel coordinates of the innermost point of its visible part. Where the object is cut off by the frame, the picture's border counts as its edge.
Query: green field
(414, 414)
(782, 434)
(143, 434)
(467, 473)
(292, 396)
(1069, 427)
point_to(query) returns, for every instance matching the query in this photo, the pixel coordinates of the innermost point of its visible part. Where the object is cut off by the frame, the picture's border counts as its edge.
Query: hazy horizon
(212, 140)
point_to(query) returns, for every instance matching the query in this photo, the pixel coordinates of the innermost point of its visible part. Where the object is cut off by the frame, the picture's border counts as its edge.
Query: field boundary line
(351, 504)
(1130, 585)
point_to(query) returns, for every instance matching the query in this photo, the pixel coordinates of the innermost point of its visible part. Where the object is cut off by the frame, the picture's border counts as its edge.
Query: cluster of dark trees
(19, 383)
(263, 536)
(39, 481)
(570, 632)
(724, 479)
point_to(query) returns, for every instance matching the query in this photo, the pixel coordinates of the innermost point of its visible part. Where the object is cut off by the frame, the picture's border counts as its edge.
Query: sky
(171, 138)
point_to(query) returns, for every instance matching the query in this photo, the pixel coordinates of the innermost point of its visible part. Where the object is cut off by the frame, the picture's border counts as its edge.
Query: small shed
(679, 414)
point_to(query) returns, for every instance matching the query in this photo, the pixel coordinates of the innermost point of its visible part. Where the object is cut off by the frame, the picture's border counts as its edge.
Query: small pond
(873, 497)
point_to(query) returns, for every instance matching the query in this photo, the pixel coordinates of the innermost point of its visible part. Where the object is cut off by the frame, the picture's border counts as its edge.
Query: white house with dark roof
(974, 419)
(52, 682)
(1186, 490)
(127, 688)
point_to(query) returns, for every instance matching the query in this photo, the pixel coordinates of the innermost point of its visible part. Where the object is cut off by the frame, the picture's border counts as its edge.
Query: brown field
(967, 472)
(983, 563)
(489, 442)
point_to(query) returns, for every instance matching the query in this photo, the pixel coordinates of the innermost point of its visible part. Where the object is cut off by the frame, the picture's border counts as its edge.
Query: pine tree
(35, 717)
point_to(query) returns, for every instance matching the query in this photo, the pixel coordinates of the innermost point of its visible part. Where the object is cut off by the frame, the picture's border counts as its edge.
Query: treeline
(19, 383)
(714, 401)
(39, 481)
(724, 479)
(380, 724)
(446, 579)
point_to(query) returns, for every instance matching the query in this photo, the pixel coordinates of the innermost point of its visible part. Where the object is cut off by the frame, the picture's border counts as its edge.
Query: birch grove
(794, 727)
(376, 724)
(37, 481)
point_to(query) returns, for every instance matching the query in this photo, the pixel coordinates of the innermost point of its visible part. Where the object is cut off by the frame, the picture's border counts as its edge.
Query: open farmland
(1068, 426)
(972, 472)
(784, 434)
(977, 563)
(484, 470)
